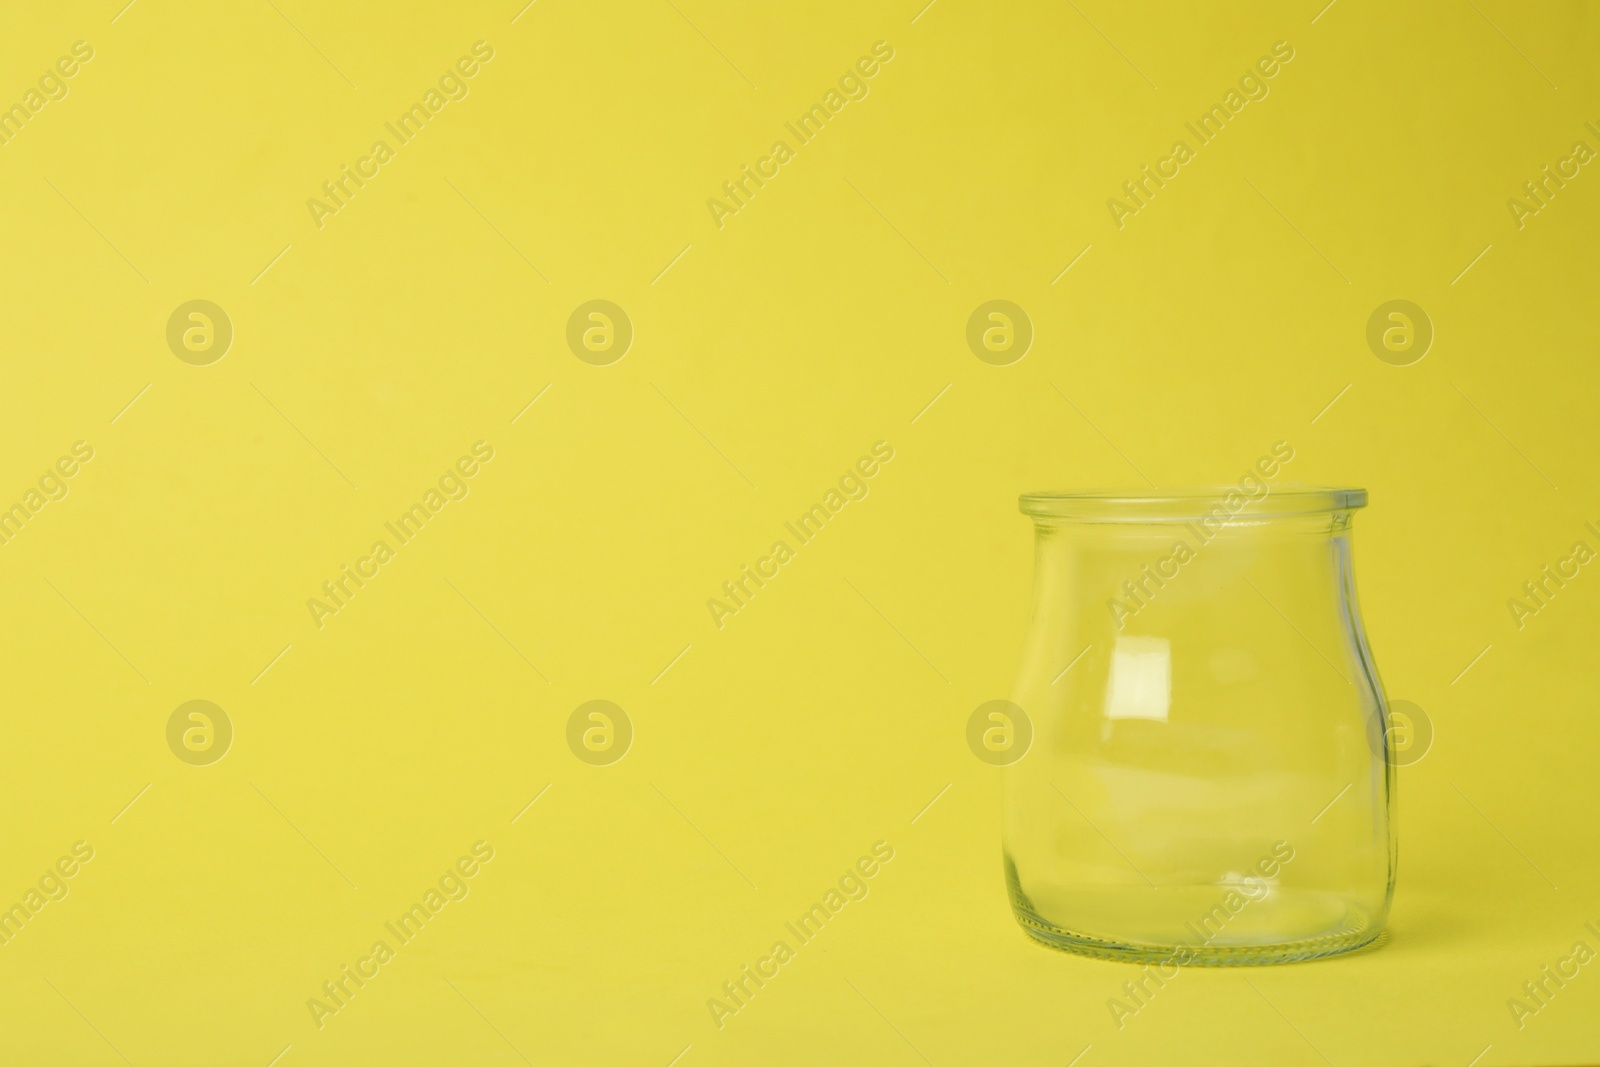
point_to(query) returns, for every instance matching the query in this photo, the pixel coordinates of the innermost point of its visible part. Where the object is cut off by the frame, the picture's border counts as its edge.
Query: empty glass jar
(1209, 777)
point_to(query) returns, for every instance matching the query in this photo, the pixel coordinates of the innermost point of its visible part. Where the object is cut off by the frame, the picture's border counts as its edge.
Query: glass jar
(1209, 779)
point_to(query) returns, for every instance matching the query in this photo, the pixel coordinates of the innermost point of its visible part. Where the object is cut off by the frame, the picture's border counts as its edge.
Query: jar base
(1197, 953)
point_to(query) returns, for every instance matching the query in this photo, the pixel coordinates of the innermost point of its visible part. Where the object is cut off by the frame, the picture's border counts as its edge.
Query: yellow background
(823, 317)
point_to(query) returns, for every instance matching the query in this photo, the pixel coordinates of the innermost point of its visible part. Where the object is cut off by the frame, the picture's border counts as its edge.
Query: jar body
(1209, 777)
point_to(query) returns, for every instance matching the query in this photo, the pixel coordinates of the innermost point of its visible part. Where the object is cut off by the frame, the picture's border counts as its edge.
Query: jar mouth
(1221, 503)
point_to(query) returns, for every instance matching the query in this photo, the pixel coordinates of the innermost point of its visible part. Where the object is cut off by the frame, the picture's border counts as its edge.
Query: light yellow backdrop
(772, 346)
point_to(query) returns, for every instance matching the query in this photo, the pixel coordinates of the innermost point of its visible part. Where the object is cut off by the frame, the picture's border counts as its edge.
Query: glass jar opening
(1251, 502)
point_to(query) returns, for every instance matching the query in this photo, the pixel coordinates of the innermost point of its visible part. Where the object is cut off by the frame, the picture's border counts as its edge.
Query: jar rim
(1208, 502)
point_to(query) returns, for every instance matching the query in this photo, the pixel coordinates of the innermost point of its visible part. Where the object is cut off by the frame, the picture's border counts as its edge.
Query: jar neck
(1145, 577)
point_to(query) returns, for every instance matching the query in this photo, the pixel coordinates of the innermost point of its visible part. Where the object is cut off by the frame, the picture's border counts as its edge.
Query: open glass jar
(1209, 777)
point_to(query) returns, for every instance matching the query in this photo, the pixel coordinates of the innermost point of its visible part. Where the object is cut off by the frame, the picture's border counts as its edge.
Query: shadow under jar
(1209, 779)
